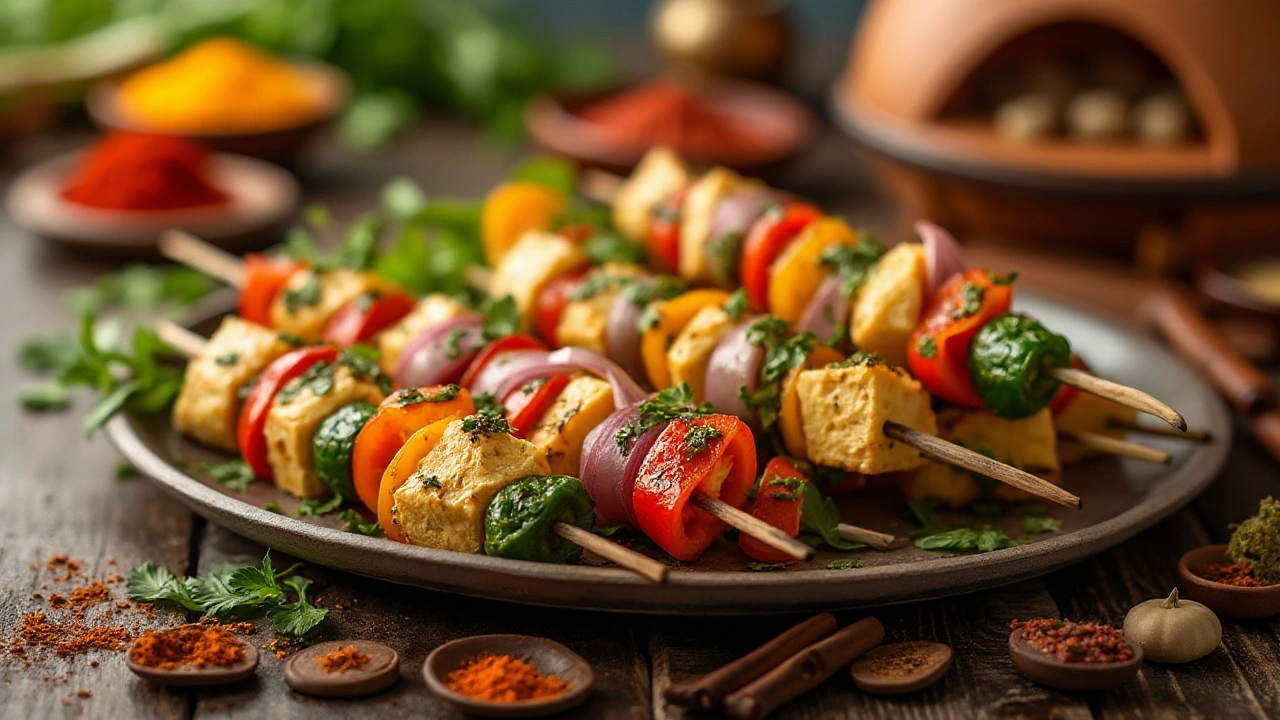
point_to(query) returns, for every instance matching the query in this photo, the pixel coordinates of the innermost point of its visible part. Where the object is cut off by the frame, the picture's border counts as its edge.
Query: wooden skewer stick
(190, 250)
(1116, 446)
(756, 528)
(613, 552)
(1123, 394)
(1196, 434)
(948, 452)
(853, 533)
(600, 186)
(183, 340)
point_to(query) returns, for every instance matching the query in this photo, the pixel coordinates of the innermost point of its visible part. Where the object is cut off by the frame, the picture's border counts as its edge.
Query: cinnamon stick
(804, 671)
(709, 690)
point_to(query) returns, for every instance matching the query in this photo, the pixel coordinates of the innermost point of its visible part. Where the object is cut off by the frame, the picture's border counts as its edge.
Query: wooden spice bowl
(1228, 601)
(546, 656)
(330, 87)
(1078, 677)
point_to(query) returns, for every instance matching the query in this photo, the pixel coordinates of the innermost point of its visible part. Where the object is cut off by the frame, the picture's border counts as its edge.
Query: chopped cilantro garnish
(852, 263)
(970, 300)
(485, 424)
(736, 305)
(228, 359)
(670, 404)
(696, 439)
(305, 295)
(927, 347)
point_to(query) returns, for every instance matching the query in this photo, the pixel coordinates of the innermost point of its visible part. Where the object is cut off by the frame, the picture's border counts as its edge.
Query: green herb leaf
(273, 506)
(551, 172)
(153, 583)
(501, 318)
(315, 507)
(820, 517)
(46, 397)
(670, 404)
(353, 522)
(296, 619)
(1034, 525)
(853, 263)
(765, 567)
(736, 306)
(235, 474)
(844, 564)
(696, 439)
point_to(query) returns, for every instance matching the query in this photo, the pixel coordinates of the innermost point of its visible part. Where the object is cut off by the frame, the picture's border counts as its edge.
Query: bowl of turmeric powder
(227, 94)
(508, 676)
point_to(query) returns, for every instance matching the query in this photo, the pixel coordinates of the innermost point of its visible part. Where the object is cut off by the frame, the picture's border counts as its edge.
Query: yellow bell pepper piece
(799, 270)
(513, 209)
(673, 315)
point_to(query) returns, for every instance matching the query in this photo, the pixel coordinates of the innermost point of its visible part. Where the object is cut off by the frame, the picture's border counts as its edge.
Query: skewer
(1116, 446)
(190, 250)
(1196, 434)
(876, 540)
(1123, 394)
(600, 186)
(756, 528)
(939, 449)
(613, 552)
(192, 344)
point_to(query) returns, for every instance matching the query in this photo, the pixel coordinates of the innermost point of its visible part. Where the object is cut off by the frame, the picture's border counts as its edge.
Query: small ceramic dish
(190, 676)
(280, 145)
(263, 197)
(784, 127)
(380, 670)
(1228, 601)
(546, 656)
(1078, 677)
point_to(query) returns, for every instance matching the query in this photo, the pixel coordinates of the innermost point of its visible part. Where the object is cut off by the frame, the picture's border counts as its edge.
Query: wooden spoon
(900, 668)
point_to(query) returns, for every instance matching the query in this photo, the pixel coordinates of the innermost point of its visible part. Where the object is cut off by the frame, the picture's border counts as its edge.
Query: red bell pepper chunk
(771, 235)
(550, 304)
(251, 427)
(714, 455)
(495, 348)
(263, 278)
(366, 316)
(524, 407)
(663, 237)
(779, 502)
(578, 232)
(938, 352)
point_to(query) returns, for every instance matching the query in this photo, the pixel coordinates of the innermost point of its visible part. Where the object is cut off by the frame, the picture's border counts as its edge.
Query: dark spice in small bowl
(1237, 574)
(1072, 642)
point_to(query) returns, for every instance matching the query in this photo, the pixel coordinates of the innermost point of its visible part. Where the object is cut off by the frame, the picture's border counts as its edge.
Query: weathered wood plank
(414, 622)
(1241, 678)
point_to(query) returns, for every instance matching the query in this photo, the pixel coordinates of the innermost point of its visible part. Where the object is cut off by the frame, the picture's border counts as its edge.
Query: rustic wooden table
(60, 494)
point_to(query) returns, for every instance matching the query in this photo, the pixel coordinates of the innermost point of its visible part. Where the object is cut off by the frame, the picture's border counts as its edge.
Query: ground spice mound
(1076, 642)
(342, 659)
(502, 678)
(68, 639)
(1237, 574)
(899, 664)
(197, 645)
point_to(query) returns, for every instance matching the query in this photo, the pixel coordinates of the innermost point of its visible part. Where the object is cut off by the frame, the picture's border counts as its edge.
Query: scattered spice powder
(503, 678)
(898, 664)
(198, 645)
(342, 659)
(71, 638)
(1069, 641)
(1237, 574)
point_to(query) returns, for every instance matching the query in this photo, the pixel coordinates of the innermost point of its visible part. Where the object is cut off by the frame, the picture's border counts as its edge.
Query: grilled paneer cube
(208, 406)
(583, 404)
(658, 175)
(298, 409)
(310, 298)
(586, 316)
(443, 504)
(429, 312)
(699, 210)
(844, 409)
(1027, 443)
(1087, 413)
(688, 356)
(887, 307)
(535, 260)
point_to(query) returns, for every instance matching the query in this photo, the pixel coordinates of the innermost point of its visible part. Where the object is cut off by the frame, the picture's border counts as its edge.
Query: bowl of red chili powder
(508, 676)
(120, 193)
(1230, 589)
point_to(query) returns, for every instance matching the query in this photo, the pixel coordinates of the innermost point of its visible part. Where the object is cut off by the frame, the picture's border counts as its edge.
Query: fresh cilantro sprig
(315, 508)
(820, 521)
(353, 522)
(233, 591)
(852, 263)
(501, 318)
(235, 474)
(934, 534)
(673, 403)
(782, 354)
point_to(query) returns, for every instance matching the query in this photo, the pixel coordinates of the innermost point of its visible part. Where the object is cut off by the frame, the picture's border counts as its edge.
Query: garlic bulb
(1173, 630)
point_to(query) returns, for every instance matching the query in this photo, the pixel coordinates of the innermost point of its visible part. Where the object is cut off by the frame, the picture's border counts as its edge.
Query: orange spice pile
(503, 678)
(342, 659)
(198, 645)
(1236, 574)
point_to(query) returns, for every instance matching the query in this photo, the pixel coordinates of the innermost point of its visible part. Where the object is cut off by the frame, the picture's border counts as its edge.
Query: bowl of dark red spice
(1077, 656)
(119, 194)
(197, 654)
(1239, 580)
(343, 669)
(508, 676)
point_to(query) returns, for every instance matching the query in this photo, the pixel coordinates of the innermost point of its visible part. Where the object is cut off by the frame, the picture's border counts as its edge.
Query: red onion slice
(826, 313)
(733, 217)
(622, 337)
(734, 364)
(493, 376)
(530, 365)
(433, 359)
(610, 478)
(942, 254)
(625, 389)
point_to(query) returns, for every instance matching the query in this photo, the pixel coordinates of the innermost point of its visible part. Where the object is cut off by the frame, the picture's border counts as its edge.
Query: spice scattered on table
(221, 85)
(197, 645)
(1256, 543)
(1074, 642)
(1236, 574)
(503, 678)
(134, 171)
(342, 659)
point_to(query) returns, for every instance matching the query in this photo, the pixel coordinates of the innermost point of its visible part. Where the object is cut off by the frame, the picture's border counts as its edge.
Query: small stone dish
(547, 656)
(1078, 677)
(191, 676)
(304, 673)
(1228, 601)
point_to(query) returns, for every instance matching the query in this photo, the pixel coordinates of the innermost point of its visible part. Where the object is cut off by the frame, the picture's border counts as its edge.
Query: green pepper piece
(1007, 362)
(518, 523)
(333, 443)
